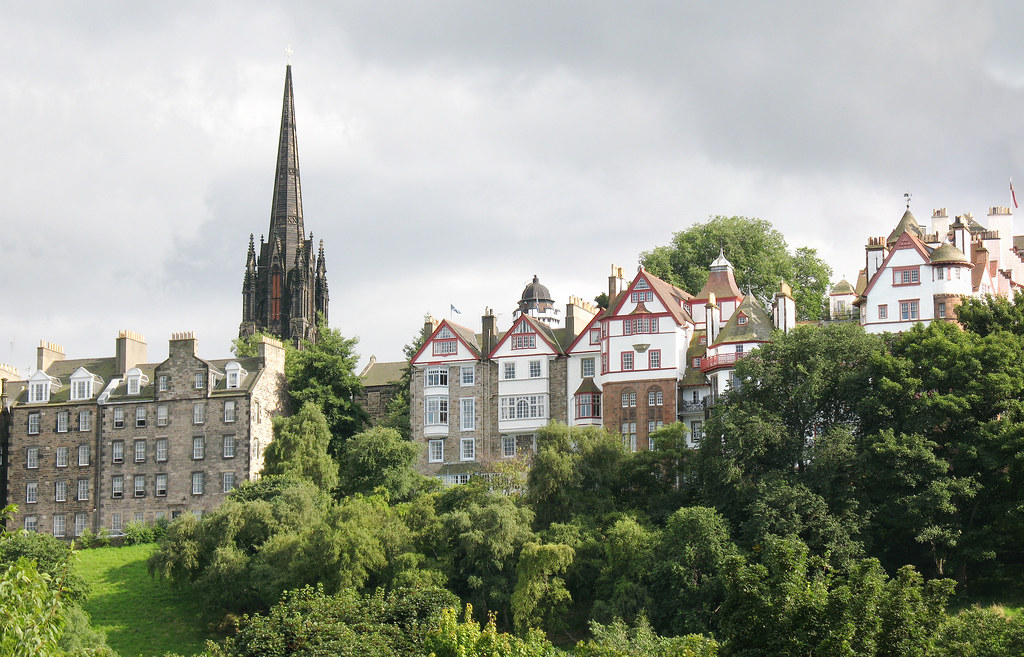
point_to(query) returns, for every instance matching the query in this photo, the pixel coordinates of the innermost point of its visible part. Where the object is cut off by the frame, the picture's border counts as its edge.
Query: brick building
(95, 443)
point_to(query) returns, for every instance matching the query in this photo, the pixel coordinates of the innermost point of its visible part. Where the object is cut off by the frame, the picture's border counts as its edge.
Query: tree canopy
(759, 254)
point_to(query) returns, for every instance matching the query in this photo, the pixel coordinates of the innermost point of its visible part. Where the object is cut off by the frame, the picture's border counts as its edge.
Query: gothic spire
(286, 209)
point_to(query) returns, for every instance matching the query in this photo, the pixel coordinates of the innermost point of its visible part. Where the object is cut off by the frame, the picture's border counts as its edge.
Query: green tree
(576, 471)
(324, 374)
(990, 314)
(379, 457)
(620, 640)
(540, 597)
(758, 252)
(468, 639)
(300, 448)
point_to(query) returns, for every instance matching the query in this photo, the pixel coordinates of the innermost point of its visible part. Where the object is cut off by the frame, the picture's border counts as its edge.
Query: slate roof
(907, 223)
(757, 329)
(693, 376)
(842, 287)
(62, 370)
(382, 374)
(948, 253)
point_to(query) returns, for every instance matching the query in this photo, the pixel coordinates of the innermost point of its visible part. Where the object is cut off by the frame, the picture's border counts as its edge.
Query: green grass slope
(141, 615)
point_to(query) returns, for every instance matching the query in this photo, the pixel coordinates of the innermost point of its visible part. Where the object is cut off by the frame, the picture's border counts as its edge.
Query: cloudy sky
(451, 150)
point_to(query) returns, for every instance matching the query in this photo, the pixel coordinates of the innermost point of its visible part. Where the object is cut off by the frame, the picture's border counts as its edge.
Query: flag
(1012, 195)
(455, 310)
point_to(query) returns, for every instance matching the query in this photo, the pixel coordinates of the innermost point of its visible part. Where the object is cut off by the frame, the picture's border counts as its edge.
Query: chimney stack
(490, 333)
(47, 354)
(130, 349)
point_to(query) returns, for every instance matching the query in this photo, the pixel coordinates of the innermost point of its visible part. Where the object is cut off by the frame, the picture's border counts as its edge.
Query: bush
(136, 533)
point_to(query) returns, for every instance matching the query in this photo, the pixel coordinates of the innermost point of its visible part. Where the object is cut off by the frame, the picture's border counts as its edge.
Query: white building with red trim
(917, 276)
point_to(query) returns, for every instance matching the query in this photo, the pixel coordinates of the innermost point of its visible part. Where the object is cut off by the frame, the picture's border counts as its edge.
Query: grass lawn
(141, 615)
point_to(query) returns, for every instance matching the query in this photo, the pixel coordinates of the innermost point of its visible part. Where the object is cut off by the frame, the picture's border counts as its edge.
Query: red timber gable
(646, 289)
(583, 341)
(906, 240)
(526, 336)
(444, 343)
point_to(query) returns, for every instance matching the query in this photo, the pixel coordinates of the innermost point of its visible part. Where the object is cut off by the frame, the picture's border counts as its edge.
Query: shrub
(136, 533)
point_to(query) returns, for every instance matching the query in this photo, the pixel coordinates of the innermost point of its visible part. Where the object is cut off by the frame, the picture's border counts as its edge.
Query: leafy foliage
(300, 448)
(759, 254)
(323, 373)
(379, 457)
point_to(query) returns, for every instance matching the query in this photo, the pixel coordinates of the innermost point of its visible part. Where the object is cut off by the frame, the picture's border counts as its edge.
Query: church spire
(286, 210)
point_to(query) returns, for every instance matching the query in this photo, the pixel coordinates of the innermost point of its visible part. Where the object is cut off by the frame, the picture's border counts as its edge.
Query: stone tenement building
(285, 283)
(94, 443)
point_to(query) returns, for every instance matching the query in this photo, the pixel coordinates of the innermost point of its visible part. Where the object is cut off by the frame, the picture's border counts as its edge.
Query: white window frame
(85, 420)
(81, 389)
(227, 482)
(198, 448)
(199, 413)
(509, 371)
(118, 417)
(654, 359)
(162, 418)
(467, 414)
(116, 522)
(140, 451)
(140, 416)
(467, 375)
(59, 525)
(536, 370)
(117, 487)
(139, 486)
(588, 367)
(198, 483)
(31, 524)
(508, 447)
(163, 383)
(31, 492)
(61, 457)
(81, 523)
(523, 407)
(161, 450)
(117, 451)
(435, 451)
(63, 418)
(436, 377)
(33, 424)
(229, 410)
(82, 493)
(60, 490)
(200, 380)
(83, 454)
(435, 410)
(467, 449)
(229, 446)
(32, 458)
(160, 486)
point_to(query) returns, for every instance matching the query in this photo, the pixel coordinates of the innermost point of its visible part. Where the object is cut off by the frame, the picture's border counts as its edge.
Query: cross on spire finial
(289, 52)
(906, 196)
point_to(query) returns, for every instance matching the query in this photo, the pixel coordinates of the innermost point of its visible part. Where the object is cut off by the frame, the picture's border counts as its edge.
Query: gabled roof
(585, 333)
(546, 335)
(758, 327)
(721, 280)
(906, 241)
(63, 369)
(671, 297)
(462, 334)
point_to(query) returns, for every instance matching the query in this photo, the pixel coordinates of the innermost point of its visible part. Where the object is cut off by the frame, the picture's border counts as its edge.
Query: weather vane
(907, 196)
(289, 52)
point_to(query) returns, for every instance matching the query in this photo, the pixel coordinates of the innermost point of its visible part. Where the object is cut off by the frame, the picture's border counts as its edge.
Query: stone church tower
(285, 283)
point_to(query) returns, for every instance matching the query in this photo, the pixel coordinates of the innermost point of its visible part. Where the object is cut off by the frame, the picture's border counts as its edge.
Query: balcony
(709, 363)
(691, 407)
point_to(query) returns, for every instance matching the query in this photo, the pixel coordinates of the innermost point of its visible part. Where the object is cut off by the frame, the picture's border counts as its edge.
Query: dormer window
(235, 374)
(741, 320)
(135, 380)
(82, 384)
(40, 385)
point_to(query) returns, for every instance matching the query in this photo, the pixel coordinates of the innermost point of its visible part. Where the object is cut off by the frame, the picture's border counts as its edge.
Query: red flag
(1012, 194)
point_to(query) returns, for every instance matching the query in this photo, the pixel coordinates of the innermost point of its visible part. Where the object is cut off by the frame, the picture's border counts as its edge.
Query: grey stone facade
(151, 440)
